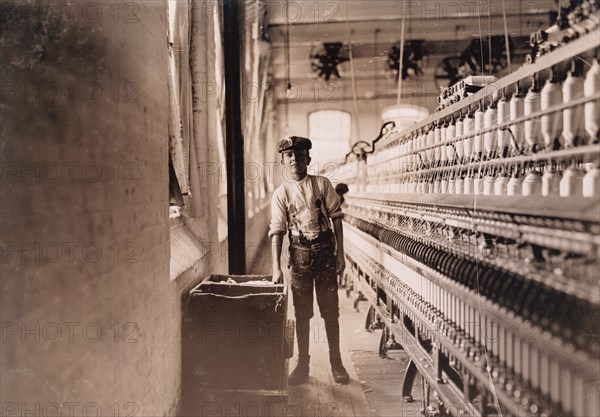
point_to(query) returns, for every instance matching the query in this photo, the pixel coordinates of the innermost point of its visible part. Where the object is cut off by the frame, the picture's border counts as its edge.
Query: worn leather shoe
(340, 375)
(300, 372)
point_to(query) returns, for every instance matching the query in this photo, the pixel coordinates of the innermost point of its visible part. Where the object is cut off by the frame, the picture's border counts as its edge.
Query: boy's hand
(277, 276)
(340, 263)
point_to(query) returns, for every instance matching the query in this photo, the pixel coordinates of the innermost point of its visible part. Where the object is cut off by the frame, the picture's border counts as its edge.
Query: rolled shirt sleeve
(278, 213)
(332, 200)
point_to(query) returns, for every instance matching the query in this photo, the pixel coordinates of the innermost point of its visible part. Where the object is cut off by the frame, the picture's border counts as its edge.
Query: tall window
(330, 132)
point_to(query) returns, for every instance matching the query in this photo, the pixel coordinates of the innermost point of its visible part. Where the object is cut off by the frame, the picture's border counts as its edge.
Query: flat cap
(294, 143)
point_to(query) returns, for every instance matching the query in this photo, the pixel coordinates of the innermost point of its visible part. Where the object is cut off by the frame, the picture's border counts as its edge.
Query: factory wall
(90, 309)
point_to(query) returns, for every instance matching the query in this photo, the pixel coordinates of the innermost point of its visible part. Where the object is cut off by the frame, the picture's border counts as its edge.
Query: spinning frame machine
(475, 236)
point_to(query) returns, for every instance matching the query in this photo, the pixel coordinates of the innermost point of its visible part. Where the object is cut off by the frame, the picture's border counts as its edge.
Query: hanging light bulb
(288, 91)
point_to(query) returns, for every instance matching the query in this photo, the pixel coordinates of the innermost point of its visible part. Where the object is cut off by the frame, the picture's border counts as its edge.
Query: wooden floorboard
(375, 383)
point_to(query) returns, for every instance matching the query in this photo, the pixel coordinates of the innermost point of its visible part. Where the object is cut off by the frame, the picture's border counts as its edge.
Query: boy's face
(295, 161)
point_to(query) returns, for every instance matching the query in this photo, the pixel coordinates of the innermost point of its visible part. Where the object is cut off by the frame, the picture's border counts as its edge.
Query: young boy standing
(302, 208)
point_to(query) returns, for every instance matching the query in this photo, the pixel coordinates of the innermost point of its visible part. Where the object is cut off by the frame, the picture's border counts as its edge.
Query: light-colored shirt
(294, 207)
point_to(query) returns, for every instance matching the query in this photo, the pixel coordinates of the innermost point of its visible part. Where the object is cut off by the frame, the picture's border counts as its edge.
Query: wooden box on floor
(236, 345)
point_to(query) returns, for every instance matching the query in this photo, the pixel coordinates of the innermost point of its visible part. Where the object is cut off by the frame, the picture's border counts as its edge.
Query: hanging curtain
(180, 100)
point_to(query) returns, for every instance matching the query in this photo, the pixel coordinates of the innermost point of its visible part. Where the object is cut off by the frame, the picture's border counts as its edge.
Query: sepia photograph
(300, 208)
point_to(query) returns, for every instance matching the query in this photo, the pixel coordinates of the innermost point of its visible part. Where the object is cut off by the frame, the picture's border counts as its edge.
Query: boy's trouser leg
(303, 337)
(332, 328)
(327, 297)
(302, 295)
(303, 315)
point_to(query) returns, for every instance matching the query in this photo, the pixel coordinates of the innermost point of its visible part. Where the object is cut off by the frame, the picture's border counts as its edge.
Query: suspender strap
(315, 187)
(323, 209)
(319, 195)
(287, 200)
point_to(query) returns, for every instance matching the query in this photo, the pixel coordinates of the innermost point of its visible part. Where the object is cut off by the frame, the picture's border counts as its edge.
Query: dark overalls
(312, 264)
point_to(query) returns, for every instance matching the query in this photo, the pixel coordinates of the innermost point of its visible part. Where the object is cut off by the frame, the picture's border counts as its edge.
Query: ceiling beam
(384, 96)
(391, 19)
(318, 12)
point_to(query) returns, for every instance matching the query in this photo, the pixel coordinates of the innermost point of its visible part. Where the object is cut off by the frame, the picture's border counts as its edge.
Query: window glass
(330, 133)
